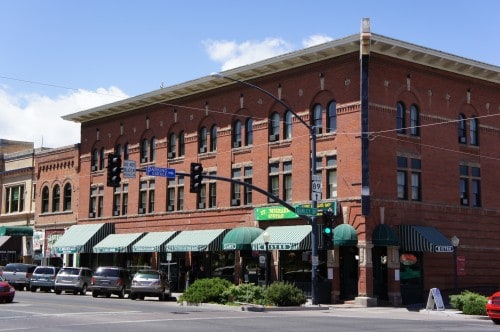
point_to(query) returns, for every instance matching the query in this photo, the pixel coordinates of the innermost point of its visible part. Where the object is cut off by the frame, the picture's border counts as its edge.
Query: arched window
(102, 159)
(126, 152)
(56, 198)
(182, 144)
(202, 140)
(287, 128)
(317, 121)
(213, 138)
(119, 150)
(94, 163)
(414, 120)
(473, 131)
(67, 197)
(237, 134)
(400, 118)
(45, 199)
(274, 127)
(144, 150)
(462, 136)
(249, 132)
(172, 145)
(332, 117)
(152, 150)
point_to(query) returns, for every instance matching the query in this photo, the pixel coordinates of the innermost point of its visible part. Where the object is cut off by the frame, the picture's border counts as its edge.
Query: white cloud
(232, 54)
(36, 118)
(316, 40)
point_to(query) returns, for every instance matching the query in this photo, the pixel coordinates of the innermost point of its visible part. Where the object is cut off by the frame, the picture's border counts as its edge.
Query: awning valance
(240, 238)
(197, 240)
(16, 231)
(153, 242)
(82, 238)
(116, 243)
(345, 235)
(423, 238)
(285, 238)
(384, 235)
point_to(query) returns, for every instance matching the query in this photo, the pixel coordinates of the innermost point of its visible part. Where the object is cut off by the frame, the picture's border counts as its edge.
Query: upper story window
(287, 127)
(462, 136)
(152, 150)
(119, 150)
(317, 118)
(274, 180)
(237, 134)
(182, 144)
(473, 131)
(202, 140)
(331, 177)
(172, 146)
(94, 162)
(287, 181)
(126, 152)
(102, 158)
(144, 150)
(470, 186)
(274, 127)
(67, 197)
(213, 138)
(409, 168)
(400, 118)
(414, 120)
(332, 117)
(96, 201)
(45, 199)
(14, 198)
(56, 198)
(146, 196)
(249, 132)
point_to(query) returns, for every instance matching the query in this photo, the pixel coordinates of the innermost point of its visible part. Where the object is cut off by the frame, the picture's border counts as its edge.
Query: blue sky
(60, 57)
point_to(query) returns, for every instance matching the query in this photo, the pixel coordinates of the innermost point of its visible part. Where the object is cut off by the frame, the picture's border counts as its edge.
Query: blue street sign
(168, 173)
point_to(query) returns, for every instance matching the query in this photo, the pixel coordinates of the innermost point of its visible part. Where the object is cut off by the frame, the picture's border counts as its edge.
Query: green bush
(210, 290)
(246, 293)
(469, 303)
(285, 294)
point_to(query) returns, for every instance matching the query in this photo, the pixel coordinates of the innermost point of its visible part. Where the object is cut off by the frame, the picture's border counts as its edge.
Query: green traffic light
(327, 230)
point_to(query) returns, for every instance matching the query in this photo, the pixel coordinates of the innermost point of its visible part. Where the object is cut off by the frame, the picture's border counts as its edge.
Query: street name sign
(168, 173)
(306, 211)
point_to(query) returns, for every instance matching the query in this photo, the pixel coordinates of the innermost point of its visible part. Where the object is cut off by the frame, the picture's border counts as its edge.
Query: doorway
(348, 259)
(380, 288)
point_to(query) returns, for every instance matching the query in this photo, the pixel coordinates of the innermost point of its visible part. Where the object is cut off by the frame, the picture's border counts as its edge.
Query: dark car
(493, 307)
(111, 280)
(43, 277)
(18, 274)
(150, 283)
(73, 279)
(7, 292)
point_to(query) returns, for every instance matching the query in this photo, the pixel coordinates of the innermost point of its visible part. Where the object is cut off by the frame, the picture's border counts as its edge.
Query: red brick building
(406, 153)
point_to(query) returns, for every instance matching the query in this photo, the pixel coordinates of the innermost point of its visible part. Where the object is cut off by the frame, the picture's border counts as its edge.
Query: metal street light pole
(266, 237)
(455, 241)
(315, 184)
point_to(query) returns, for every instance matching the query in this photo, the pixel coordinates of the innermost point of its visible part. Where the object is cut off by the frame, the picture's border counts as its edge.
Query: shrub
(246, 293)
(469, 303)
(285, 294)
(210, 290)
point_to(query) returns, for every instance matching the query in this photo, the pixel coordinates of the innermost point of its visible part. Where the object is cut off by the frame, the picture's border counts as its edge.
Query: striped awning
(82, 238)
(197, 240)
(153, 242)
(423, 238)
(240, 238)
(116, 243)
(285, 238)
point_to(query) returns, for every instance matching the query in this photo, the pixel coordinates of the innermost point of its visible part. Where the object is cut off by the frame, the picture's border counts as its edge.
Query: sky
(59, 57)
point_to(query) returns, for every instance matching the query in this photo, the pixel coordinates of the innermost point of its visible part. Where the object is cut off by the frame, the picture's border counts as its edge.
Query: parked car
(7, 292)
(43, 277)
(73, 279)
(111, 280)
(150, 283)
(18, 274)
(493, 307)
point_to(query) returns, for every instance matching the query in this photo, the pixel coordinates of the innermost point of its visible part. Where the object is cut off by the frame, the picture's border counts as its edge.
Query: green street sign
(306, 211)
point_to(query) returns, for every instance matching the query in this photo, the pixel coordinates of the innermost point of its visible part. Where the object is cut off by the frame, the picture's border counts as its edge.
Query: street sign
(129, 169)
(306, 211)
(168, 173)
(316, 187)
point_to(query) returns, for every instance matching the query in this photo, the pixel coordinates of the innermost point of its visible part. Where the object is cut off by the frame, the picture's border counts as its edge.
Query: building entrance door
(348, 272)
(380, 290)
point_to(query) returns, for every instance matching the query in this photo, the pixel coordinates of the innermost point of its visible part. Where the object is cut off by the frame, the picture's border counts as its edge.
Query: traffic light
(328, 222)
(196, 177)
(114, 170)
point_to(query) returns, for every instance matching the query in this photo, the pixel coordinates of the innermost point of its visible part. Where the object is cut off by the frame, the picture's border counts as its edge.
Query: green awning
(345, 235)
(116, 243)
(16, 231)
(198, 240)
(240, 238)
(82, 238)
(384, 235)
(285, 238)
(153, 242)
(423, 238)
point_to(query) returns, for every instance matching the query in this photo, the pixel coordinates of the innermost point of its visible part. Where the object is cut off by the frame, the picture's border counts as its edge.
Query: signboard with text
(280, 212)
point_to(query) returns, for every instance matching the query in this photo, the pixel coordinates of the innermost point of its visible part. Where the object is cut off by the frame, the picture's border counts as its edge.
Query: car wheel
(121, 295)
(9, 300)
(141, 297)
(496, 321)
(161, 297)
(95, 294)
(57, 291)
(83, 291)
(33, 289)
(108, 294)
(132, 296)
(75, 292)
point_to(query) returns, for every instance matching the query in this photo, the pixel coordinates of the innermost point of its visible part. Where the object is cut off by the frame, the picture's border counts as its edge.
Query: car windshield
(16, 267)
(147, 274)
(107, 273)
(44, 270)
(72, 272)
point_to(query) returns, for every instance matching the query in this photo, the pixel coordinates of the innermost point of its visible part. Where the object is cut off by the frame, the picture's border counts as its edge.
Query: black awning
(423, 238)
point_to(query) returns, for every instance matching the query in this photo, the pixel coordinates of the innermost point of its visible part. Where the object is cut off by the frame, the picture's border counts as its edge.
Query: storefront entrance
(348, 256)
(379, 255)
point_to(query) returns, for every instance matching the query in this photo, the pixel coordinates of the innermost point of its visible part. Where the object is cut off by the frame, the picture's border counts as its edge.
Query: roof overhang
(351, 44)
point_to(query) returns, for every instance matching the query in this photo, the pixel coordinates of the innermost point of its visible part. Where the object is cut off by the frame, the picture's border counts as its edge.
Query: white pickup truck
(18, 274)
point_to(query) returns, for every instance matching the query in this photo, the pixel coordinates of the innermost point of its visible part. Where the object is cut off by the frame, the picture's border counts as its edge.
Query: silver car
(73, 279)
(150, 283)
(44, 278)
